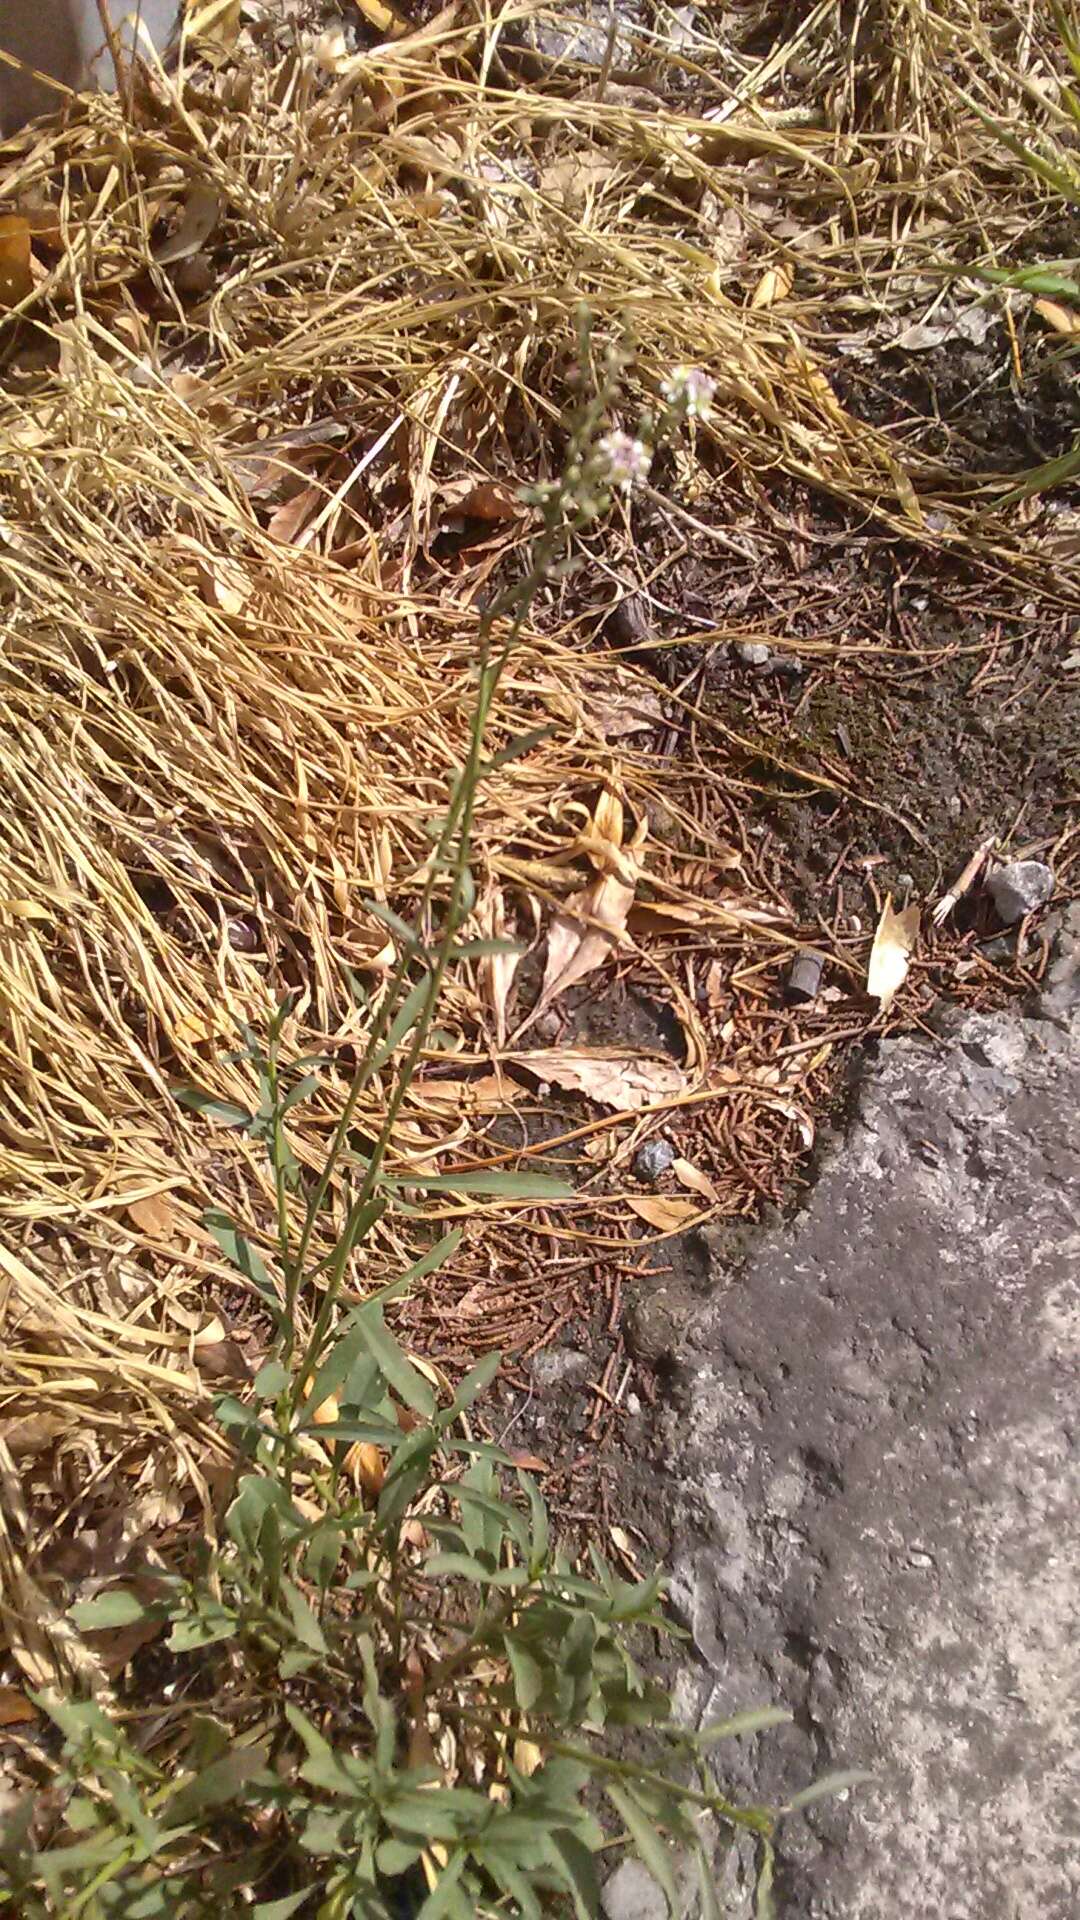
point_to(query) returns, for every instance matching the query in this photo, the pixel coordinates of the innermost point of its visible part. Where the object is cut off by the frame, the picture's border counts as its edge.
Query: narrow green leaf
(335, 1369)
(461, 1566)
(504, 1869)
(764, 1908)
(528, 1673)
(446, 1900)
(576, 1868)
(302, 1091)
(517, 748)
(239, 1250)
(540, 1543)
(281, 1909)
(400, 928)
(473, 1384)
(270, 1380)
(829, 1783)
(647, 1842)
(710, 1905)
(754, 1720)
(501, 1186)
(395, 1368)
(308, 1630)
(409, 1012)
(116, 1609)
(1033, 280)
(226, 1111)
(219, 1783)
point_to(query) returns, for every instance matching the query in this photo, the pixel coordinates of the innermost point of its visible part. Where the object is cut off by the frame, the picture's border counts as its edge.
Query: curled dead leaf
(223, 584)
(154, 1215)
(26, 909)
(891, 952)
(690, 1176)
(1060, 319)
(666, 1215)
(15, 1709)
(365, 1462)
(202, 211)
(625, 1082)
(490, 1094)
(775, 284)
(16, 267)
(527, 1756)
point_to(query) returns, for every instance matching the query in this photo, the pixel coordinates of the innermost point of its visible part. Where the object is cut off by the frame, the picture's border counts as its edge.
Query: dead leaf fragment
(775, 284)
(367, 1466)
(202, 212)
(891, 952)
(584, 934)
(498, 969)
(667, 1216)
(1060, 319)
(154, 1215)
(690, 1176)
(223, 583)
(16, 270)
(215, 21)
(527, 1756)
(15, 1709)
(384, 19)
(626, 1082)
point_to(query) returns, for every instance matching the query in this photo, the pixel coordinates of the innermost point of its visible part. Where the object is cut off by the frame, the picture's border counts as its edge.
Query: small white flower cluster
(626, 460)
(690, 390)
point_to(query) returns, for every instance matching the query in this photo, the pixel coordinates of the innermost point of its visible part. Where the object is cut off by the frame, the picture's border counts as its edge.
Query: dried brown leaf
(1060, 319)
(625, 1082)
(666, 1215)
(202, 212)
(154, 1215)
(775, 284)
(16, 268)
(223, 584)
(527, 1756)
(584, 934)
(385, 20)
(288, 521)
(15, 1709)
(891, 952)
(498, 970)
(690, 1176)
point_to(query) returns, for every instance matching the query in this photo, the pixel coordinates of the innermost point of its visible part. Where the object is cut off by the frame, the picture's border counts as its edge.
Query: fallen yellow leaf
(775, 284)
(527, 1756)
(690, 1176)
(625, 1082)
(1061, 319)
(25, 909)
(891, 952)
(153, 1215)
(667, 1216)
(16, 271)
(223, 583)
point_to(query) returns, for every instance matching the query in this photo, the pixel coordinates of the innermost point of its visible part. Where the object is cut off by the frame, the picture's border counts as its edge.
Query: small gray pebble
(653, 1159)
(1019, 888)
(557, 1367)
(753, 653)
(789, 666)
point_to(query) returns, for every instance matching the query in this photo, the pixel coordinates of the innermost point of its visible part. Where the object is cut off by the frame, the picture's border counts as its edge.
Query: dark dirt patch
(962, 401)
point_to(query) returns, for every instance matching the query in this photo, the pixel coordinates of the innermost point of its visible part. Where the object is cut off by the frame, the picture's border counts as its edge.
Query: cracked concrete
(874, 1440)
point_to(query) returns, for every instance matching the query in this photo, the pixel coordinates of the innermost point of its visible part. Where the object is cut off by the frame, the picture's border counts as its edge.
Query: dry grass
(240, 644)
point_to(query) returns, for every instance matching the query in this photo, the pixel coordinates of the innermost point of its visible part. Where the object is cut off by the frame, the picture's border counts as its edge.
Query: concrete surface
(63, 39)
(873, 1439)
